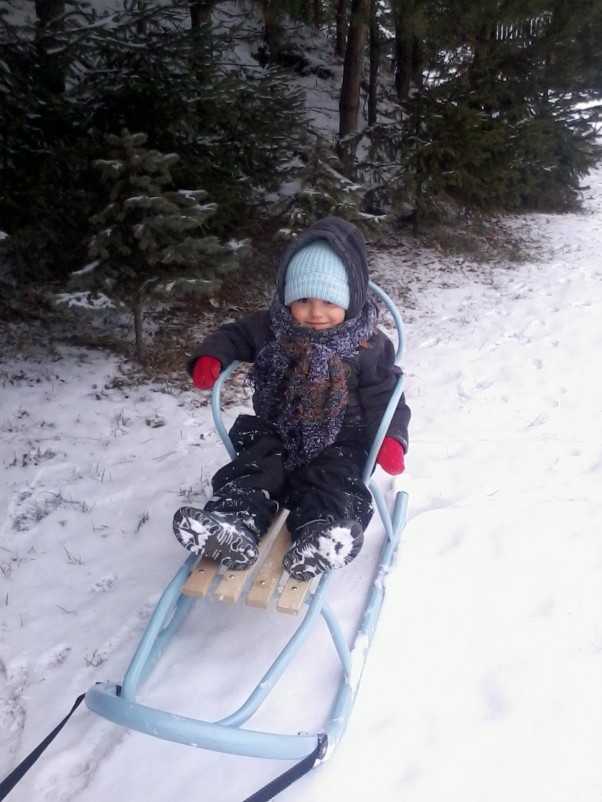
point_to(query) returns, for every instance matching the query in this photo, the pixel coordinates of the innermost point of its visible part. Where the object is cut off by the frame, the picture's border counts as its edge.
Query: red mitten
(205, 372)
(390, 456)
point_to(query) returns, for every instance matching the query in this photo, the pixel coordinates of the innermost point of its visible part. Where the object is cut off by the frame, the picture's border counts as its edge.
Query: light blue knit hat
(317, 271)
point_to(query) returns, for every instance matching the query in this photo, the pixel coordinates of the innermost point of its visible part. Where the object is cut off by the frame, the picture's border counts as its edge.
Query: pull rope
(282, 782)
(264, 794)
(7, 785)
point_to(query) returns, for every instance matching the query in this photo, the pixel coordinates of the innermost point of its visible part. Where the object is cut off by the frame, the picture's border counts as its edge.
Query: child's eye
(303, 300)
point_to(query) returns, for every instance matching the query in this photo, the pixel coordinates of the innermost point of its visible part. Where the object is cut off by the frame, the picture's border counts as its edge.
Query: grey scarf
(299, 379)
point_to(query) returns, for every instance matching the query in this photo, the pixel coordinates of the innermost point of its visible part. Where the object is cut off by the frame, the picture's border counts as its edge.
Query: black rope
(7, 785)
(291, 775)
(264, 794)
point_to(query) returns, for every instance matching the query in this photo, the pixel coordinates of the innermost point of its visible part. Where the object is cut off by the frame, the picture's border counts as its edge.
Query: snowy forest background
(140, 144)
(149, 146)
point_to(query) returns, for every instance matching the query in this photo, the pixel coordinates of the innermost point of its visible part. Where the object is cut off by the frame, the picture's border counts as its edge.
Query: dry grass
(35, 328)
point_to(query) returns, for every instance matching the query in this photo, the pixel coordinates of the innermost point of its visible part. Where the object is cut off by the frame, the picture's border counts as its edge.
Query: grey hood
(348, 242)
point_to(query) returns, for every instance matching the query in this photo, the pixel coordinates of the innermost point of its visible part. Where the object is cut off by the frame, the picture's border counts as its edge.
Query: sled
(263, 585)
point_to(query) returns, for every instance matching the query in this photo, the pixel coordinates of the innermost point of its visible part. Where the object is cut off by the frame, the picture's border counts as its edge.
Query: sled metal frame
(118, 703)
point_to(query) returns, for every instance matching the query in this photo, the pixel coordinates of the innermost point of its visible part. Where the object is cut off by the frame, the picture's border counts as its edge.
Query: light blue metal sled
(118, 703)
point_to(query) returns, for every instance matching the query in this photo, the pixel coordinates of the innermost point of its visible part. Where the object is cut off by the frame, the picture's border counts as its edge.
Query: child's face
(314, 313)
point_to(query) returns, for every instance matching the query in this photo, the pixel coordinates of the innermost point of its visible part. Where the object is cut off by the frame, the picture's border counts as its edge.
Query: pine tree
(141, 68)
(149, 238)
(321, 190)
(496, 125)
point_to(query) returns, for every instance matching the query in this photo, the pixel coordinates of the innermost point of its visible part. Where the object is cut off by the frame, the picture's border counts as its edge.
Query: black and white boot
(216, 535)
(322, 546)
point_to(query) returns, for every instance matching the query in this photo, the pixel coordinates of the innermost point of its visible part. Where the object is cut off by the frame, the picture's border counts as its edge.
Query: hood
(348, 241)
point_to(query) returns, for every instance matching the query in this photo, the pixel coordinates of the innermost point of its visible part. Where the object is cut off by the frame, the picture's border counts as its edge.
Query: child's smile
(313, 313)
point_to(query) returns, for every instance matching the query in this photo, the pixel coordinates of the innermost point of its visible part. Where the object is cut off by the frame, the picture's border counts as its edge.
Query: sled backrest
(397, 392)
(216, 406)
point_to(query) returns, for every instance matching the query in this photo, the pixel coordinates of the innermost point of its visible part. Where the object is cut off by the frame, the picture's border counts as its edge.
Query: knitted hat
(317, 271)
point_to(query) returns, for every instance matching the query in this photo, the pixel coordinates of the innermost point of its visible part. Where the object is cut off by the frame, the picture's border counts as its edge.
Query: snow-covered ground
(483, 682)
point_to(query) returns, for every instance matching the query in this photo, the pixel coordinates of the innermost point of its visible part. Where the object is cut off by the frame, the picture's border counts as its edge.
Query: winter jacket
(372, 374)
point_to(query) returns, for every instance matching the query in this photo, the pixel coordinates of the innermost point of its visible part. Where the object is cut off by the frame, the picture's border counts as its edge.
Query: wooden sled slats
(261, 582)
(201, 578)
(269, 574)
(293, 596)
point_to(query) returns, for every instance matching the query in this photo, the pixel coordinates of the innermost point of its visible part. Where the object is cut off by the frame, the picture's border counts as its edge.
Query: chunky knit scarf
(300, 381)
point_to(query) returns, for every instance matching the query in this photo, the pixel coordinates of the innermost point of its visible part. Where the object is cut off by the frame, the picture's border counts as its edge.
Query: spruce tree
(149, 238)
(321, 189)
(497, 124)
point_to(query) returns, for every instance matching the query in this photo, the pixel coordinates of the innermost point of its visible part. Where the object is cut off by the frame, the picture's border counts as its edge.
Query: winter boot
(216, 535)
(321, 546)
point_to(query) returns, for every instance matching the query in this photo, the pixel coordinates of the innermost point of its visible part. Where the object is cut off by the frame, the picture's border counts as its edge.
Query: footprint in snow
(104, 584)
(13, 683)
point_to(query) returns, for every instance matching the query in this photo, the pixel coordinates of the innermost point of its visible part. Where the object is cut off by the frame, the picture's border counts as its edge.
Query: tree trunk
(341, 26)
(317, 14)
(483, 46)
(48, 11)
(304, 11)
(142, 8)
(139, 334)
(352, 77)
(407, 49)
(50, 14)
(374, 48)
(271, 29)
(200, 13)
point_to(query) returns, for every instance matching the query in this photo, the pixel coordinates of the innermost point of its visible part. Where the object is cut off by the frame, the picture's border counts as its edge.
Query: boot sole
(215, 538)
(333, 548)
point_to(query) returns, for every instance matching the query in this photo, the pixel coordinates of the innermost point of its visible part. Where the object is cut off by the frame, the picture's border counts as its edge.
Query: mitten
(205, 372)
(390, 456)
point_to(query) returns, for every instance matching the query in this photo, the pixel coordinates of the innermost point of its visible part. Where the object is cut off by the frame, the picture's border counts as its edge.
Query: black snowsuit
(330, 486)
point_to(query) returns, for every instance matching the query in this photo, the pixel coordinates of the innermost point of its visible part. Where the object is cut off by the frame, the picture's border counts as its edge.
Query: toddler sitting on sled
(322, 375)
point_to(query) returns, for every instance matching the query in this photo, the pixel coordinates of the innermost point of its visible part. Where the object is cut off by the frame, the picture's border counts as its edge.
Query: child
(322, 376)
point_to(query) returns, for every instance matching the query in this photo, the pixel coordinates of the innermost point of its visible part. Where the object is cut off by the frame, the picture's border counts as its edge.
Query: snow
(482, 683)
(483, 680)
(89, 268)
(84, 300)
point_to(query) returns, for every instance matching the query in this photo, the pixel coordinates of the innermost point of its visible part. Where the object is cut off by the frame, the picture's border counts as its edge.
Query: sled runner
(265, 584)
